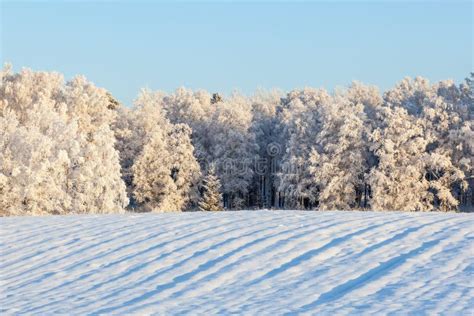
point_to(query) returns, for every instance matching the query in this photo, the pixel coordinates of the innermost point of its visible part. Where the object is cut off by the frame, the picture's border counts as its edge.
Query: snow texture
(260, 263)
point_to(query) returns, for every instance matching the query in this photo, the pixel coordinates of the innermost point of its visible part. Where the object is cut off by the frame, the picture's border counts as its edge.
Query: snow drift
(238, 262)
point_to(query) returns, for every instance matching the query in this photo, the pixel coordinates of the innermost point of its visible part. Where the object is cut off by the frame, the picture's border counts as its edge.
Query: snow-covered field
(259, 263)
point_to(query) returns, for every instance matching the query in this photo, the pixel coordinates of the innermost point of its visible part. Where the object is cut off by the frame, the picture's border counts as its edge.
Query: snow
(261, 262)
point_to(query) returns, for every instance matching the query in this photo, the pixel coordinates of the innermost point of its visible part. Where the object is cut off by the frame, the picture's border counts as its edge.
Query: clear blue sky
(125, 45)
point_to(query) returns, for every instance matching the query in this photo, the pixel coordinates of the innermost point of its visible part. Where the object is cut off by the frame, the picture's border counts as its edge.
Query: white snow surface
(251, 263)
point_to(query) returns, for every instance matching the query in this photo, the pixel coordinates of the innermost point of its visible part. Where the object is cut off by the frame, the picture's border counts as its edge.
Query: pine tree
(211, 199)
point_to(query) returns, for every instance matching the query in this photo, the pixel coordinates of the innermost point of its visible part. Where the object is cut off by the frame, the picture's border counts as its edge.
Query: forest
(69, 147)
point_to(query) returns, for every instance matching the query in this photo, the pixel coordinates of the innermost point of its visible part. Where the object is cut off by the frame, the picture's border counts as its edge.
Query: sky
(124, 46)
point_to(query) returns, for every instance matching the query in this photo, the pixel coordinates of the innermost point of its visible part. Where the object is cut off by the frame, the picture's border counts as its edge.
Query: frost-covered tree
(98, 186)
(157, 156)
(211, 199)
(410, 94)
(33, 170)
(463, 139)
(71, 147)
(367, 96)
(442, 116)
(134, 128)
(37, 143)
(185, 170)
(301, 115)
(128, 145)
(193, 109)
(267, 131)
(221, 136)
(338, 163)
(398, 180)
(58, 123)
(436, 111)
(232, 149)
(153, 183)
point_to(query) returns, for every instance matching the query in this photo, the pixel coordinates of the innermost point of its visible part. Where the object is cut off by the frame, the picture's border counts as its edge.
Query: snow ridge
(261, 262)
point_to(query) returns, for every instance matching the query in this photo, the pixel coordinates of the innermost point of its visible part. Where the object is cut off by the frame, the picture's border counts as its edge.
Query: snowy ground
(265, 263)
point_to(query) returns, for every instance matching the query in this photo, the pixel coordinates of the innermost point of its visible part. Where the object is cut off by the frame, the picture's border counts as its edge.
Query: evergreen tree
(211, 199)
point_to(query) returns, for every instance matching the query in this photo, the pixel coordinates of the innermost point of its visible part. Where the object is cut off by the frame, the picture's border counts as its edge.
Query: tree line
(71, 147)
